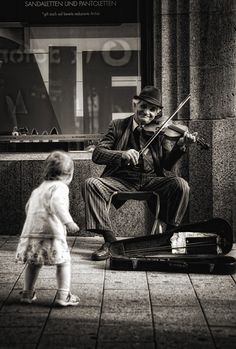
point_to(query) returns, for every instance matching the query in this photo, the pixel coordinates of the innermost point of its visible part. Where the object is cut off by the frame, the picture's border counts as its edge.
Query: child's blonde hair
(58, 165)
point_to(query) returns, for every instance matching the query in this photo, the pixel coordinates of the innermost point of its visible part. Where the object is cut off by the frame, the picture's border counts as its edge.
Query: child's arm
(60, 207)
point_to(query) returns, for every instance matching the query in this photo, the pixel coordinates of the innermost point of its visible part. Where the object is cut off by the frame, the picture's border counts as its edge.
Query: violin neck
(177, 129)
(181, 131)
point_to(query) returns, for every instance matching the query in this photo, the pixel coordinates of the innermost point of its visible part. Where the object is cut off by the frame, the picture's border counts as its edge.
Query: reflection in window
(74, 79)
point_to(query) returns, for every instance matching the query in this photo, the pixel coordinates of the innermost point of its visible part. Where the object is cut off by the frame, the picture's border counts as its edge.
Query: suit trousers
(97, 192)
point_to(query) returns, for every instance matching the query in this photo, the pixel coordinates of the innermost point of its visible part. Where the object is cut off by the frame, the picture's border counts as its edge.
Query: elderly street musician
(130, 169)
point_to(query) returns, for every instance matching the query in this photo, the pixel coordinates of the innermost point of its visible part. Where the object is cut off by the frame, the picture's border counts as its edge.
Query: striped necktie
(145, 159)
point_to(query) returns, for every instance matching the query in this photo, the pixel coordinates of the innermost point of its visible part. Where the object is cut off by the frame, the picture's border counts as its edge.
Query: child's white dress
(43, 238)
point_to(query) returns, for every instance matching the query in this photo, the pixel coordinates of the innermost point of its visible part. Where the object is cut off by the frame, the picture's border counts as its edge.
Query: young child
(43, 238)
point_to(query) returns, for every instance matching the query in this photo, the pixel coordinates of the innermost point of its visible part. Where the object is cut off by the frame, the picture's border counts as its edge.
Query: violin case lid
(133, 253)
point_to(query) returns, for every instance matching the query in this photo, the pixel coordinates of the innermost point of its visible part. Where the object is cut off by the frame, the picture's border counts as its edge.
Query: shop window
(69, 79)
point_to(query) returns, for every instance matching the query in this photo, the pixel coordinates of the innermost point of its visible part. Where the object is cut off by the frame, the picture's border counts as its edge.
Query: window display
(65, 76)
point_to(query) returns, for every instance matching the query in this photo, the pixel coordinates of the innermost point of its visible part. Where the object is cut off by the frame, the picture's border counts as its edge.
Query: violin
(173, 131)
(179, 129)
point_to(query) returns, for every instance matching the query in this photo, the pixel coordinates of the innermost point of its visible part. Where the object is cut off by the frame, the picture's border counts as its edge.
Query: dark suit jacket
(109, 150)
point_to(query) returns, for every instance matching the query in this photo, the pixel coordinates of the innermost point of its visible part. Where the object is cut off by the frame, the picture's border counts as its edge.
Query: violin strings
(168, 248)
(184, 258)
(193, 244)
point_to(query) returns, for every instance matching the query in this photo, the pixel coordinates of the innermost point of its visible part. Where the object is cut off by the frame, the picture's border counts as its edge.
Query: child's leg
(31, 275)
(64, 276)
(64, 296)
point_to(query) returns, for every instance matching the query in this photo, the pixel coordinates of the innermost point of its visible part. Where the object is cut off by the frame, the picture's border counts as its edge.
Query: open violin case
(203, 249)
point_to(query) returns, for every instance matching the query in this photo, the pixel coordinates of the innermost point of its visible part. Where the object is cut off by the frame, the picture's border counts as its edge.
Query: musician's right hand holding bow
(131, 156)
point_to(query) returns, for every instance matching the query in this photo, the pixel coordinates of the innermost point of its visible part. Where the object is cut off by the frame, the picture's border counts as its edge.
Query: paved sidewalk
(118, 309)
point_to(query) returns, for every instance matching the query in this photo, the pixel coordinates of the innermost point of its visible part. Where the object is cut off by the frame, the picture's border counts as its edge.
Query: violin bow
(144, 148)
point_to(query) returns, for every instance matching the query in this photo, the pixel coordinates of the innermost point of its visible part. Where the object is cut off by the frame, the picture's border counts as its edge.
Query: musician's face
(145, 112)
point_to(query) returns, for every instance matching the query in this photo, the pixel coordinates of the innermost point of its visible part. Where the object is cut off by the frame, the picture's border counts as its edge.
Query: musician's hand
(188, 138)
(131, 156)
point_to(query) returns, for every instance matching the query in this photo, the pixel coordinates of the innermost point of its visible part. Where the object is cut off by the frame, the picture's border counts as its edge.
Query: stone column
(194, 51)
(171, 57)
(212, 87)
(171, 53)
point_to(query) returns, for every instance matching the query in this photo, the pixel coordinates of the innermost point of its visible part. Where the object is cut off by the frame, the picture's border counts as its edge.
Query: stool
(141, 196)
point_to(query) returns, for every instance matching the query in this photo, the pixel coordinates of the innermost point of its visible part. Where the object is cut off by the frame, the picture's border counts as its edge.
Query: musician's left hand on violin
(187, 139)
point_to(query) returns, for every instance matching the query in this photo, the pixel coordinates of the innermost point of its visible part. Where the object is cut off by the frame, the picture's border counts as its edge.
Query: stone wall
(20, 174)
(195, 52)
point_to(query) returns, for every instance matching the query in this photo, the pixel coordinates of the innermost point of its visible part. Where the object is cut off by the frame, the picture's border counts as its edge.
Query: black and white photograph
(117, 174)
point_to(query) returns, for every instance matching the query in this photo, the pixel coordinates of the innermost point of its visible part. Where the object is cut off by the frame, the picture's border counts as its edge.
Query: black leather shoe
(102, 253)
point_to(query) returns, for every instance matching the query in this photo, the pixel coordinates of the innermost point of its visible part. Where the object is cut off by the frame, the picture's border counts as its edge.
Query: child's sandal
(28, 297)
(70, 300)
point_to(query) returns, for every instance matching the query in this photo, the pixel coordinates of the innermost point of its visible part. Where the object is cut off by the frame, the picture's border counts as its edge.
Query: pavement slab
(117, 309)
(172, 294)
(127, 318)
(220, 314)
(174, 337)
(125, 280)
(225, 337)
(179, 316)
(124, 333)
(119, 300)
(120, 345)
(82, 314)
(19, 335)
